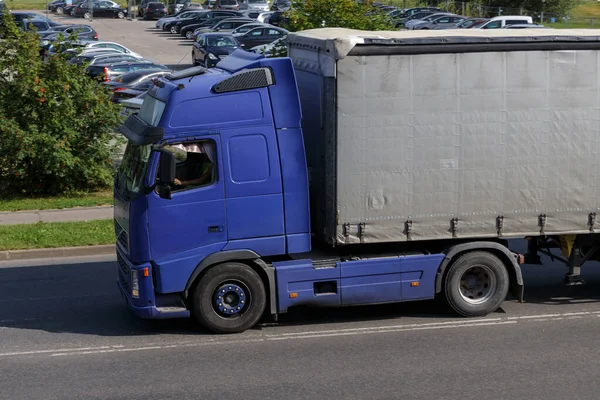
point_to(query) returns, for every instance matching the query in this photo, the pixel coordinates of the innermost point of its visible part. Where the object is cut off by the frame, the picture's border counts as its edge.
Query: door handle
(215, 229)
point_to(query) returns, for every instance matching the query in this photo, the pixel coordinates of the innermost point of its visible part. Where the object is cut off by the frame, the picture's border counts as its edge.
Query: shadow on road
(83, 299)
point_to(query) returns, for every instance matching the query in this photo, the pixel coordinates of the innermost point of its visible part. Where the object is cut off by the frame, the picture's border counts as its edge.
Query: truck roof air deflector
(185, 73)
(246, 79)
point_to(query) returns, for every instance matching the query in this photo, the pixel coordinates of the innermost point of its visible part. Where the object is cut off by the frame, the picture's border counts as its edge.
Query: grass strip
(56, 234)
(52, 203)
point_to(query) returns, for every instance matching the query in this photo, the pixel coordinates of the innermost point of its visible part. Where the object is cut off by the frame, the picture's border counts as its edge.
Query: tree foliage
(352, 14)
(56, 122)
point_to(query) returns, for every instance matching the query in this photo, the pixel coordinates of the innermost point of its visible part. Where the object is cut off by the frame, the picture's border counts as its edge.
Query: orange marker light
(293, 295)
(145, 272)
(414, 284)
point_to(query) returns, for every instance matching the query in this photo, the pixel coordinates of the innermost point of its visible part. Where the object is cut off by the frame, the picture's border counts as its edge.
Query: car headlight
(45, 42)
(135, 284)
(212, 56)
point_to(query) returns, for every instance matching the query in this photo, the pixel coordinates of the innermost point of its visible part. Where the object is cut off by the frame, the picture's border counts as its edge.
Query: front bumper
(145, 305)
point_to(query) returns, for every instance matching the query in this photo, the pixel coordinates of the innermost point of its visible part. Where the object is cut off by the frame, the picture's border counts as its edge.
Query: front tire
(87, 15)
(229, 298)
(120, 15)
(477, 284)
(60, 10)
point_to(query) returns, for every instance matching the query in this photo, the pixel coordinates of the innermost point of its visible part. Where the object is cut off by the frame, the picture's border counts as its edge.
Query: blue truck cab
(212, 209)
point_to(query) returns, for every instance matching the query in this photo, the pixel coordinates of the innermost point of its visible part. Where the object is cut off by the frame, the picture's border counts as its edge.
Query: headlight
(212, 56)
(45, 42)
(135, 284)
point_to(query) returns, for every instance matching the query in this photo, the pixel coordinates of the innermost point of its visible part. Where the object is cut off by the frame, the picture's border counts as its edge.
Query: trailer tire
(229, 298)
(477, 284)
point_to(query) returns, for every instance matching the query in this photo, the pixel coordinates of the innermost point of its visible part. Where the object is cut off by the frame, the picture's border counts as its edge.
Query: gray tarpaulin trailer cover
(423, 135)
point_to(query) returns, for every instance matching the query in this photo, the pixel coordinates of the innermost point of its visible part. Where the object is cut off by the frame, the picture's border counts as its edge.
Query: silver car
(258, 5)
(411, 23)
(440, 22)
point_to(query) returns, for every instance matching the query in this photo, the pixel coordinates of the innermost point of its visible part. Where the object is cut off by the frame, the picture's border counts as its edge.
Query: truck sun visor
(246, 79)
(139, 132)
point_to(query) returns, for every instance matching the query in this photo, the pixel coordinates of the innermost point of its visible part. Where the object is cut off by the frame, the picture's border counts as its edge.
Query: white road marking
(314, 334)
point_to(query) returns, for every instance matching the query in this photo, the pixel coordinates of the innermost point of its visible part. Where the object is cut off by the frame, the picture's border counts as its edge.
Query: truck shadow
(83, 298)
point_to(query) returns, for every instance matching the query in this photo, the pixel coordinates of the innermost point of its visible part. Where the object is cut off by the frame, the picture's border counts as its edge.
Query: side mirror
(166, 174)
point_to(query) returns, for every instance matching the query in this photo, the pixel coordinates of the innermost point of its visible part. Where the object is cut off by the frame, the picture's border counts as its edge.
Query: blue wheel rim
(231, 299)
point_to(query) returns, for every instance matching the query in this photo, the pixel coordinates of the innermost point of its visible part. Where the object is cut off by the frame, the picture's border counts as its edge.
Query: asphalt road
(66, 334)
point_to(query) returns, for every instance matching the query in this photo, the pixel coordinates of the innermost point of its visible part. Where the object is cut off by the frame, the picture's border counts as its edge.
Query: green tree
(56, 122)
(352, 14)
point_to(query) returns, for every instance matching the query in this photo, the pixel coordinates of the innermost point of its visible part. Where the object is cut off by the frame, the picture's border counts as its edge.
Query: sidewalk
(64, 215)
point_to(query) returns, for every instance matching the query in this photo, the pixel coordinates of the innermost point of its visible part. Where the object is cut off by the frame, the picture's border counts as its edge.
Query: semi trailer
(363, 168)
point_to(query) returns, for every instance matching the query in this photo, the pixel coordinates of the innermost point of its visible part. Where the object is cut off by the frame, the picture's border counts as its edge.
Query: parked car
(247, 27)
(168, 22)
(226, 5)
(132, 84)
(164, 20)
(208, 4)
(39, 25)
(276, 18)
(281, 5)
(270, 48)
(224, 25)
(111, 71)
(153, 10)
(203, 19)
(255, 5)
(57, 6)
(502, 21)
(70, 9)
(404, 15)
(83, 32)
(259, 36)
(468, 23)
(411, 24)
(193, 6)
(99, 9)
(443, 21)
(188, 30)
(91, 45)
(414, 17)
(19, 16)
(210, 48)
(524, 26)
(95, 57)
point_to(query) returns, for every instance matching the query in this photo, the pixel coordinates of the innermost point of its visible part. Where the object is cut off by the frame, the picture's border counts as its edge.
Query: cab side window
(196, 165)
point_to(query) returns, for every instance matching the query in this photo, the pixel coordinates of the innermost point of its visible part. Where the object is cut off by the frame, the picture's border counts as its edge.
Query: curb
(13, 255)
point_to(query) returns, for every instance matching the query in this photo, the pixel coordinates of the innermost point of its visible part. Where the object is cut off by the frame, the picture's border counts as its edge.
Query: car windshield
(243, 29)
(220, 41)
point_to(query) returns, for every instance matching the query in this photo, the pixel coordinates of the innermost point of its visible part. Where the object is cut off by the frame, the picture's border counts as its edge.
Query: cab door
(193, 221)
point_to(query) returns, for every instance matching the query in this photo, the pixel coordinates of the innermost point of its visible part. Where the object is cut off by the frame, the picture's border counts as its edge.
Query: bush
(56, 122)
(352, 14)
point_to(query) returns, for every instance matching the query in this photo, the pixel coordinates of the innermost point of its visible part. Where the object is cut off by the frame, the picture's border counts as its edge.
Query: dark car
(70, 10)
(109, 72)
(259, 36)
(188, 30)
(39, 25)
(99, 9)
(210, 48)
(84, 32)
(226, 5)
(133, 84)
(153, 10)
(201, 18)
(102, 57)
(19, 16)
(223, 25)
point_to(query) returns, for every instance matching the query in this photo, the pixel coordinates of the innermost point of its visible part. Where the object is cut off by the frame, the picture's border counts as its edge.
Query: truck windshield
(132, 170)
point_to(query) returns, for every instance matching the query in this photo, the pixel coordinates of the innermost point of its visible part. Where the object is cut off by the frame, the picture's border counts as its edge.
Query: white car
(259, 5)
(264, 16)
(111, 46)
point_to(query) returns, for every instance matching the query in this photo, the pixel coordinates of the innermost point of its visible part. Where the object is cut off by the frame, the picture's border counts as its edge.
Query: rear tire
(173, 30)
(477, 284)
(189, 35)
(60, 10)
(229, 298)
